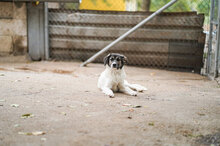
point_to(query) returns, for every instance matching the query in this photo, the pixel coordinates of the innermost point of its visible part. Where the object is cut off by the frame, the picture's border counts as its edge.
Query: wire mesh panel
(211, 40)
(173, 39)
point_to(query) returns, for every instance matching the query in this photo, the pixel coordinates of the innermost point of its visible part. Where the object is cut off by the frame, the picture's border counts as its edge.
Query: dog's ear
(106, 59)
(124, 59)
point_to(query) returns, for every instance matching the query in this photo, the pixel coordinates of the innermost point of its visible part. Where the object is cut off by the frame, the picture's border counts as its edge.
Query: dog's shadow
(122, 95)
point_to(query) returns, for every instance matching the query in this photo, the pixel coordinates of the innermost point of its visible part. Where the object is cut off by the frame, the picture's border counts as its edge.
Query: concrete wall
(13, 28)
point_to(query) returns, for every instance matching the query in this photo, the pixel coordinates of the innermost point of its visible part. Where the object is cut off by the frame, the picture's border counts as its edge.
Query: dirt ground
(67, 108)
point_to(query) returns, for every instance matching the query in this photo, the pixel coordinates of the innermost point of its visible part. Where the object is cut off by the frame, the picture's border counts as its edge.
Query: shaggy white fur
(113, 80)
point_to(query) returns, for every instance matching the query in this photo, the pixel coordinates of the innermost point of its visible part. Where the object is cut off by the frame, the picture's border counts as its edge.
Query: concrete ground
(58, 103)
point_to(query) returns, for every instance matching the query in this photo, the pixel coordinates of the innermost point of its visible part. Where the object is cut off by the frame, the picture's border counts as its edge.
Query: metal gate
(164, 42)
(213, 48)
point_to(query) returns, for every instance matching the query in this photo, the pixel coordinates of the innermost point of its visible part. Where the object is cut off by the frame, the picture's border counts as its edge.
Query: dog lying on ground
(112, 79)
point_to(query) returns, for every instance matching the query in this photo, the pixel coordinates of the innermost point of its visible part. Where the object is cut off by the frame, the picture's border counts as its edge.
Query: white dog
(113, 77)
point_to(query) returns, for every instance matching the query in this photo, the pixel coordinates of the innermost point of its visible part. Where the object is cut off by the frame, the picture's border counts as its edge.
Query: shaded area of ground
(178, 108)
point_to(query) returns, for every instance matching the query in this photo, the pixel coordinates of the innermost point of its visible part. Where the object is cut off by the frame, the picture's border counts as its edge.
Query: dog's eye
(118, 59)
(111, 59)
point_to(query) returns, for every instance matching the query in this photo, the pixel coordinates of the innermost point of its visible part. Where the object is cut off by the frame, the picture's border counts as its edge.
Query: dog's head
(114, 60)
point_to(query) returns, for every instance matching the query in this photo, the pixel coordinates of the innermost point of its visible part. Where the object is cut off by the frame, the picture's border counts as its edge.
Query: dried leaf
(14, 105)
(201, 114)
(16, 125)
(2, 100)
(43, 139)
(71, 106)
(126, 104)
(24, 133)
(137, 106)
(36, 133)
(128, 110)
(131, 110)
(24, 116)
(2, 74)
(151, 124)
(63, 113)
(129, 117)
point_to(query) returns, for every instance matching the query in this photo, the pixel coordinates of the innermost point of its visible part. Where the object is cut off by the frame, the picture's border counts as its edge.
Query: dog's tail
(136, 87)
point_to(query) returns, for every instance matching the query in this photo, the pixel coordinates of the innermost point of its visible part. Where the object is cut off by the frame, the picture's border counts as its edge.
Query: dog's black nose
(114, 65)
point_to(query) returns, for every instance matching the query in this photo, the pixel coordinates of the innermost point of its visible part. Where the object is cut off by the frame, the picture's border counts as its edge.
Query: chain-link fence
(210, 53)
(173, 39)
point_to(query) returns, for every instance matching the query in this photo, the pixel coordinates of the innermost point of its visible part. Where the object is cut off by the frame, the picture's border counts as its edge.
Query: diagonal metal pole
(129, 32)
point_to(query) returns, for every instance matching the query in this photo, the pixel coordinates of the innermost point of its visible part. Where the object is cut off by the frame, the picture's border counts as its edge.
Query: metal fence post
(38, 38)
(36, 35)
(129, 32)
(46, 33)
(216, 72)
(208, 62)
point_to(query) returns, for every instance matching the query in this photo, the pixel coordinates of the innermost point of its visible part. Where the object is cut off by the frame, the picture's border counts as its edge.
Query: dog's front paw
(108, 92)
(133, 93)
(111, 95)
(140, 88)
(143, 88)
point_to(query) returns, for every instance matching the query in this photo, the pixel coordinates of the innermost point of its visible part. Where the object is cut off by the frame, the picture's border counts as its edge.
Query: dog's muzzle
(114, 65)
